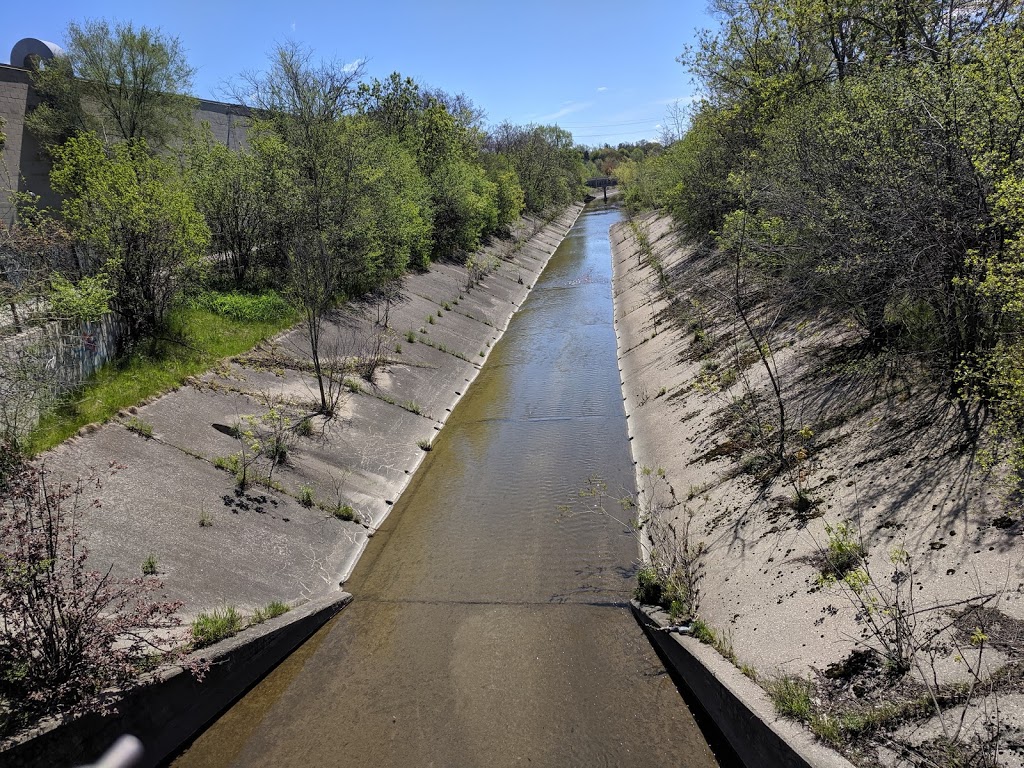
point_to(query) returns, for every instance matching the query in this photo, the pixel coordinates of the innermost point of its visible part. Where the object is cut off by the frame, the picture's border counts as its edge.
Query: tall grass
(196, 338)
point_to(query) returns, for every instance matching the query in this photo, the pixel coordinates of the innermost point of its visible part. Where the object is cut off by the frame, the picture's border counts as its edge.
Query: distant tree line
(345, 183)
(865, 158)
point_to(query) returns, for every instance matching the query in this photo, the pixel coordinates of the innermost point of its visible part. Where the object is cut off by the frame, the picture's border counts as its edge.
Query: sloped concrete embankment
(169, 497)
(884, 456)
(660, 438)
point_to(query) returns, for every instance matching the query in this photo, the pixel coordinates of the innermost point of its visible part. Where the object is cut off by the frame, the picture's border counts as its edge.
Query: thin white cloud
(569, 108)
(602, 88)
(293, 26)
(681, 99)
(352, 66)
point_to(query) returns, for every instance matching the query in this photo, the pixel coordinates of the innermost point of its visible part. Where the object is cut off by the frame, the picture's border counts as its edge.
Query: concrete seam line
(738, 706)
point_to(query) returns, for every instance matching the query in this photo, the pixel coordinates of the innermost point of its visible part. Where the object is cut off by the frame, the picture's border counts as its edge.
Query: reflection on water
(490, 625)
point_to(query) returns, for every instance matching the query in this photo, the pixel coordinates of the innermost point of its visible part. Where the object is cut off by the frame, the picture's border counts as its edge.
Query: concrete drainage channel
(168, 711)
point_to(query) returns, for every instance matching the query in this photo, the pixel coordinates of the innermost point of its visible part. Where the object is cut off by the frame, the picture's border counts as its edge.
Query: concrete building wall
(26, 169)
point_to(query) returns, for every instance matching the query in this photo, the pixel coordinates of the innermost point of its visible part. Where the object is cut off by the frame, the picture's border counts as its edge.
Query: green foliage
(306, 496)
(149, 566)
(271, 611)
(424, 445)
(138, 426)
(843, 553)
(267, 307)
(344, 512)
(149, 369)
(85, 302)
(217, 625)
(227, 186)
(791, 696)
(120, 82)
(548, 167)
(648, 588)
(133, 212)
(866, 162)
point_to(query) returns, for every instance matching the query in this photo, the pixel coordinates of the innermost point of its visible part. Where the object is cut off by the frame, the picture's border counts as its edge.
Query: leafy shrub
(69, 635)
(791, 696)
(149, 566)
(843, 553)
(306, 496)
(344, 512)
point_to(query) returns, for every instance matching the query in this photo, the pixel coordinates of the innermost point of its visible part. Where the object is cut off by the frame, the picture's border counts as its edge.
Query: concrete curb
(167, 712)
(738, 706)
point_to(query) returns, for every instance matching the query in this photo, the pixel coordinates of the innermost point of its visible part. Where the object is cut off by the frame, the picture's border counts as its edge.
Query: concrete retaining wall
(27, 169)
(738, 706)
(167, 713)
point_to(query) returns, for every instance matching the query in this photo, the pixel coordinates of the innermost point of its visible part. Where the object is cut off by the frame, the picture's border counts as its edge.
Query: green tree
(134, 213)
(347, 205)
(121, 82)
(227, 186)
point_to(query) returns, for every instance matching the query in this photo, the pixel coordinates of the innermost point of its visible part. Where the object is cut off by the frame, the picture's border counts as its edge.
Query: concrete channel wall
(266, 544)
(171, 709)
(739, 707)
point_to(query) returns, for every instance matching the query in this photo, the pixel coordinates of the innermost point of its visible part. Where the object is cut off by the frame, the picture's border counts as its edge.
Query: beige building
(25, 168)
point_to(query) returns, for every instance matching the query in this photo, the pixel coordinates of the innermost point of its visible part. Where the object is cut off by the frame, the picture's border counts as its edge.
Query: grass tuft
(210, 628)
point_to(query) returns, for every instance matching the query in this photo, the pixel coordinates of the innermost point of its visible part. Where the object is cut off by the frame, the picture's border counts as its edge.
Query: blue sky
(604, 70)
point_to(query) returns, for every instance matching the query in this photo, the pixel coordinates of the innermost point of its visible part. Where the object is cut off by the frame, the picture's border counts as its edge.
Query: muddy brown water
(489, 626)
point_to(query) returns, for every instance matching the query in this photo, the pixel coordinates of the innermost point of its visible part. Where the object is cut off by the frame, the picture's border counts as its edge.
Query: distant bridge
(602, 181)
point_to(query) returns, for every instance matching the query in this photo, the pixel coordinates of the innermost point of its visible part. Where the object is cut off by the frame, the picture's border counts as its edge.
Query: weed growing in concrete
(306, 496)
(353, 386)
(424, 444)
(205, 519)
(703, 632)
(481, 353)
(410, 336)
(448, 306)
(430, 319)
(139, 427)
(843, 553)
(398, 348)
(270, 611)
(791, 696)
(149, 566)
(413, 407)
(304, 427)
(210, 628)
(344, 512)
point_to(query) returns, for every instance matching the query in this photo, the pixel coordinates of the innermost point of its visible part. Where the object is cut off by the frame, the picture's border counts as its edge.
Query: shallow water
(490, 625)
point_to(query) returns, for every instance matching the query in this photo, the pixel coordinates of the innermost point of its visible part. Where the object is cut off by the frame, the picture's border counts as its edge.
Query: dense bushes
(866, 158)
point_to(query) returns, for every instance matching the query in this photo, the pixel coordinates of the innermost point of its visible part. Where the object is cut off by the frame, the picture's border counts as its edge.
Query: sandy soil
(881, 452)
